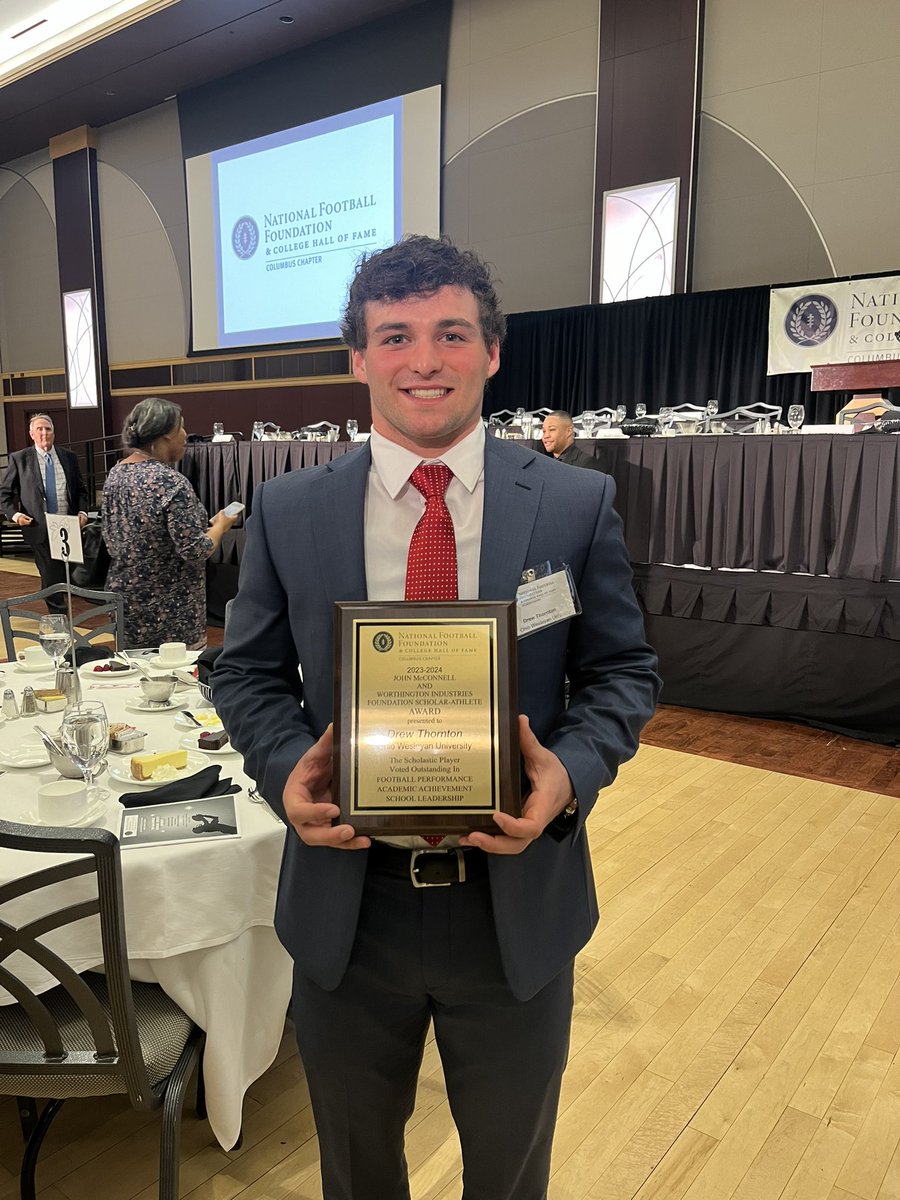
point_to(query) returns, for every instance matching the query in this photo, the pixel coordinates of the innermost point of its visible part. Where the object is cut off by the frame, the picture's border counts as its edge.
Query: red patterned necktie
(431, 565)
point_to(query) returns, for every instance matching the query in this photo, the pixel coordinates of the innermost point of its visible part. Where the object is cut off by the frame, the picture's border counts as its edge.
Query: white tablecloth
(198, 915)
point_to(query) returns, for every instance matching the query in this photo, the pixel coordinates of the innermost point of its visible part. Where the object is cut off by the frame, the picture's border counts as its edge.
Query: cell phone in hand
(232, 510)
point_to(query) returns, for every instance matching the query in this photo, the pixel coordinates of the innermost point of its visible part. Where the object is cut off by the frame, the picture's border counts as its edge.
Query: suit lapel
(512, 496)
(337, 508)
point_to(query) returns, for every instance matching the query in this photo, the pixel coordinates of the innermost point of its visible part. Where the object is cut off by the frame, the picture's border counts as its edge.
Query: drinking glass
(590, 422)
(258, 429)
(712, 406)
(54, 636)
(666, 417)
(640, 410)
(621, 413)
(218, 428)
(84, 734)
(352, 429)
(796, 416)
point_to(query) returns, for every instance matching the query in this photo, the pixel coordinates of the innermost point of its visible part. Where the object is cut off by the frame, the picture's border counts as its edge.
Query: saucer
(25, 757)
(21, 669)
(158, 665)
(144, 706)
(95, 810)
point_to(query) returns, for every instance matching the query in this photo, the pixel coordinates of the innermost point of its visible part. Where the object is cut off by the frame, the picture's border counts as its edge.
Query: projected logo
(811, 320)
(245, 237)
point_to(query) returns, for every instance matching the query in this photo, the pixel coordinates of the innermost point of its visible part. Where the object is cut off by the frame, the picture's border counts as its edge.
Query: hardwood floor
(737, 1019)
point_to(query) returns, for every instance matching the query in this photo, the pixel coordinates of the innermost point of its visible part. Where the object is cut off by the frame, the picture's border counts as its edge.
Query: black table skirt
(806, 623)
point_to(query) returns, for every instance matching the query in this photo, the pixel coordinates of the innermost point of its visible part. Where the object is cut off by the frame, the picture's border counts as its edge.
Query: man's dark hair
(561, 415)
(419, 266)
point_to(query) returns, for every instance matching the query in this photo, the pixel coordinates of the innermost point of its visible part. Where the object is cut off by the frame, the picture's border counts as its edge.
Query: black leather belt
(428, 868)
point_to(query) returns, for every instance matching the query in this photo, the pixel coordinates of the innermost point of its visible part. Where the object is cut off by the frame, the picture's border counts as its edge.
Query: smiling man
(390, 936)
(558, 436)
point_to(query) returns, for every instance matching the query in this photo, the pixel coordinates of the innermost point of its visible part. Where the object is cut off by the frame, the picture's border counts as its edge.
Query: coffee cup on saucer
(172, 654)
(62, 802)
(33, 658)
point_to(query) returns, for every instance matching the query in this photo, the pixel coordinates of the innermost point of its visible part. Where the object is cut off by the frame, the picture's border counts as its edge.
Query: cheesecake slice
(143, 765)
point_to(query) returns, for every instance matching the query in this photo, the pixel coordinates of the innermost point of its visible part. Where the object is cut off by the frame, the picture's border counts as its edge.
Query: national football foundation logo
(245, 237)
(811, 320)
(382, 642)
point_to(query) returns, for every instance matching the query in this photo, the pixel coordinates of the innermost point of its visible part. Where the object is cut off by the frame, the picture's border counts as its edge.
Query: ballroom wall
(799, 167)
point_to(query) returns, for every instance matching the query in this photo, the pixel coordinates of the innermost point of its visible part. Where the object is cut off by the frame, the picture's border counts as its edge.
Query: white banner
(854, 320)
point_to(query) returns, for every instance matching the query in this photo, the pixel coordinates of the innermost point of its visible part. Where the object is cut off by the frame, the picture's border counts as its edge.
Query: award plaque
(425, 716)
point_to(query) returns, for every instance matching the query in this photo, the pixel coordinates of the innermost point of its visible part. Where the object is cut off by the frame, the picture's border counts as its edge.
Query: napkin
(196, 787)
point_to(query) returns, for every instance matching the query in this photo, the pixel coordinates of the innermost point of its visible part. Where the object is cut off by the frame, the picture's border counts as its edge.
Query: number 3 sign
(65, 538)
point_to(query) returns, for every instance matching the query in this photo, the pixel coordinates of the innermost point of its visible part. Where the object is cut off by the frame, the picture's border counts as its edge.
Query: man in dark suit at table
(558, 436)
(39, 480)
(477, 937)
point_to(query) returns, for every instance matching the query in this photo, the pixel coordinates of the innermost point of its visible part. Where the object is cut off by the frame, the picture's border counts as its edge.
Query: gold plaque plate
(426, 721)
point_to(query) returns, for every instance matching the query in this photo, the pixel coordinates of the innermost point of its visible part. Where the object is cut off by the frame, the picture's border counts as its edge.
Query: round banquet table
(198, 915)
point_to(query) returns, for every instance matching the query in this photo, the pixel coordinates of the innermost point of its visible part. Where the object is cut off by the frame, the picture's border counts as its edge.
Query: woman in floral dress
(157, 532)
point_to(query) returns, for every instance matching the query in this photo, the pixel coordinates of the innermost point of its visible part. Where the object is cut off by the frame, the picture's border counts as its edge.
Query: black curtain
(666, 350)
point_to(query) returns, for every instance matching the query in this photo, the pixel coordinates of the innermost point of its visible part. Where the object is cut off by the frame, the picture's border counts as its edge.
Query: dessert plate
(189, 742)
(121, 772)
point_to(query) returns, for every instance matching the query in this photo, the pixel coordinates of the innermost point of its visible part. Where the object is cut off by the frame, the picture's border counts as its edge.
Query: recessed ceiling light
(109, 93)
(286, 20)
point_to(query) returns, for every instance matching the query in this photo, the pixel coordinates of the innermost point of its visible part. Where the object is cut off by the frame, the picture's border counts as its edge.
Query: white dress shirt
(394, 506)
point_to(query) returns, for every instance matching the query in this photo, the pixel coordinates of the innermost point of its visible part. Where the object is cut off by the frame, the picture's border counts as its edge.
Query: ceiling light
(286, 20)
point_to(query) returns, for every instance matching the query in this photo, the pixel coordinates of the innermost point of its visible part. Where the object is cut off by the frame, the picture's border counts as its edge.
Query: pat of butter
(143, 766)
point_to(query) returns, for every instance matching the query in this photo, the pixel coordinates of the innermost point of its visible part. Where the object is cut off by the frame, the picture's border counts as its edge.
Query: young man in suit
(558, 436)
(488, 958)
(39, 480)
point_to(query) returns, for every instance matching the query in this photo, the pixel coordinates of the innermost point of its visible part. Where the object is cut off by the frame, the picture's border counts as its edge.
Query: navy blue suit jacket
(305, 550)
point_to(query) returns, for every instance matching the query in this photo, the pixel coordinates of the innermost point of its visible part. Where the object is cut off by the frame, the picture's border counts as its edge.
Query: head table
(198, 915)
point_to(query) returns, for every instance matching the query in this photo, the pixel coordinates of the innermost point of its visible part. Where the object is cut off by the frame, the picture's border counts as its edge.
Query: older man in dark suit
(42, 479)
(484, 950)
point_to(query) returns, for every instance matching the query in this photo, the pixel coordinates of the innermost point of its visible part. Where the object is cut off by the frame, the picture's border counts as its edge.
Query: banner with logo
(852, 320)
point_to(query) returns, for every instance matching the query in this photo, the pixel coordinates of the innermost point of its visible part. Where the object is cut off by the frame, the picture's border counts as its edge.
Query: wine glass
(352, 429)
(712, 406)
(621, 413)
(796, 415)
(640, 411)
(666, 417)
(54, 636)
(84, 734)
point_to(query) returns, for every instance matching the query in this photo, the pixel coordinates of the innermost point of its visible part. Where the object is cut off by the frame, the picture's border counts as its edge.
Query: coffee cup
(61, 803)
(33, 658)
(172, 653)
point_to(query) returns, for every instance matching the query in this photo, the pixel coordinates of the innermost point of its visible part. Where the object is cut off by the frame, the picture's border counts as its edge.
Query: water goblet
(621, 414)
(218, 428)
(712, 406)
(54, 636)
(640, 411)
(796, 415)
(666, 417)
(84, 734)
(352, 429)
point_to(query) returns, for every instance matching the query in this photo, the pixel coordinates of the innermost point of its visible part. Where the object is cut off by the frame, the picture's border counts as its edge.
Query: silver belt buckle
(460, 868)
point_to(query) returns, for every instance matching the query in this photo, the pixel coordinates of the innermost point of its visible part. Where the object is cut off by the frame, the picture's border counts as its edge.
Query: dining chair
(91, 1034)
(108, 605)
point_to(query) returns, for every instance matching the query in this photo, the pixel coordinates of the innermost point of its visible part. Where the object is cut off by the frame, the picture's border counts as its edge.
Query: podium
(856, 377)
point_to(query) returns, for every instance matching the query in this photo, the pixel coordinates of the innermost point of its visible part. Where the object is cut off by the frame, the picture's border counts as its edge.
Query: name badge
(546, 596)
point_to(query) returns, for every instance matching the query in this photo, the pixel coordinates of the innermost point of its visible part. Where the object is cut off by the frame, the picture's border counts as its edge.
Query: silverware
(190, 716)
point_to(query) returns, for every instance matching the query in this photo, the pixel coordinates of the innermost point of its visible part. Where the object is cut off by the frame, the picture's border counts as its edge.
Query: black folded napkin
(196, 787)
